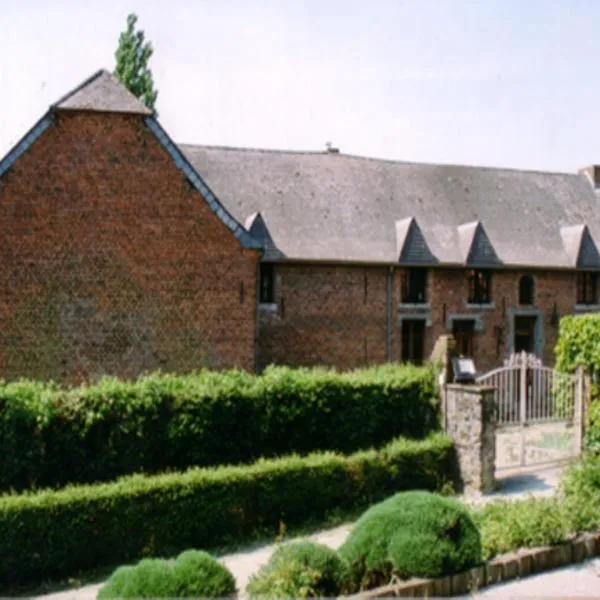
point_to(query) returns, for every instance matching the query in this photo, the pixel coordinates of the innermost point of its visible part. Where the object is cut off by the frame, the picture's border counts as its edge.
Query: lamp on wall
(554, 317)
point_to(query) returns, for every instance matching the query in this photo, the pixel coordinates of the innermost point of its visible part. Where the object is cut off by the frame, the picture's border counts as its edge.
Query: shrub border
(500, 569)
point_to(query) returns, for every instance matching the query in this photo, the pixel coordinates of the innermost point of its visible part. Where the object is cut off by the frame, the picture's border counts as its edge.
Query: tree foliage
(133, 55)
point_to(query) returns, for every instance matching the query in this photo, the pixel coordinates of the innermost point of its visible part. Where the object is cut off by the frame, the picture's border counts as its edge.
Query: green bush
(506, 526)
(50, 436)
(193, 574)
(580, 487)
(301, 570)
(579, 344)
(411, 534)
(54, 533)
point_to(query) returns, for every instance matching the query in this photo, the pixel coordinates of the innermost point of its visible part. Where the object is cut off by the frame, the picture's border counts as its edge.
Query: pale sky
(486, 82)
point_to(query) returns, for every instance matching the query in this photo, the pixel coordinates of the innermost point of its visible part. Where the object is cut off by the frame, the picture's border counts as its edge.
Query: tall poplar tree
(132, 55)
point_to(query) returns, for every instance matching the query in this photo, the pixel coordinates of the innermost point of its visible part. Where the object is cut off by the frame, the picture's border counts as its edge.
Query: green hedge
(51, 436)
(58, 533)
(579, 344)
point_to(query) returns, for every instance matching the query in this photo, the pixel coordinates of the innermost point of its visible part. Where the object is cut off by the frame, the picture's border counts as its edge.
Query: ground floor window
(413, 340)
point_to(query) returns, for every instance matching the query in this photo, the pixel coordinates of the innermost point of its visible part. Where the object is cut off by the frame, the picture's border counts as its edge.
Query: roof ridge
(250, 149)
(376, 159)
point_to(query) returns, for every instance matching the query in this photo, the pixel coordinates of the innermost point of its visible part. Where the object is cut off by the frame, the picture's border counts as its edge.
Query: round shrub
(197, 574)
(411, 534)
(193, 573)
(301, 570)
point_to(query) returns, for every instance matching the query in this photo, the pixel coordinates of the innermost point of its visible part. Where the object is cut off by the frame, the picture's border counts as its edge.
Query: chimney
(330, 148)
(593, 172)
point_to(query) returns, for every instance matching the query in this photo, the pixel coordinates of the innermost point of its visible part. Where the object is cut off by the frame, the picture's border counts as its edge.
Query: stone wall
(469, 419)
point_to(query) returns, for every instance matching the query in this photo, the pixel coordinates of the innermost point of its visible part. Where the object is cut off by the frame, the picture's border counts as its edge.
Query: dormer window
(480, 286)
(587, 289)
(414, 286)
(526, 290)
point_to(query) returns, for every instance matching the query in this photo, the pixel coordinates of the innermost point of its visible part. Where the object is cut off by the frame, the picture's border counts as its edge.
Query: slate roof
(325, 206)
(102, 92)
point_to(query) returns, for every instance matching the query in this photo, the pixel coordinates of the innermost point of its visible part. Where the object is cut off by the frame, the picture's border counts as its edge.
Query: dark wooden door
(413, 340)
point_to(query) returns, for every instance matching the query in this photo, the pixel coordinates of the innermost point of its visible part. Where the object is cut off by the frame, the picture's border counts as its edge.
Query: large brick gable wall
(111, 263)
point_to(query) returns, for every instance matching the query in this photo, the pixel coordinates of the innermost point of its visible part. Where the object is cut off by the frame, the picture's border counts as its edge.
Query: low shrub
(301, 570)
(193, 574)
(54, 533)
(507, 525)
(50, 436)
(411, 534)
(580, 487)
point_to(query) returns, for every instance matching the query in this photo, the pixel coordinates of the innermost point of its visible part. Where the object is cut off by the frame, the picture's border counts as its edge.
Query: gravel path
(244, 563)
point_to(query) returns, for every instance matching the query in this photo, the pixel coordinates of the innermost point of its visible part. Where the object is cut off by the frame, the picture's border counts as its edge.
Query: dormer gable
(580, 247)
(257, 227)
(476, 249)
(411, 245)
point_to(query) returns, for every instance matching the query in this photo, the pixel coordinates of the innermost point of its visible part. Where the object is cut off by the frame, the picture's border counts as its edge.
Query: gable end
(25, 143)
(246, 240)
(412, 247)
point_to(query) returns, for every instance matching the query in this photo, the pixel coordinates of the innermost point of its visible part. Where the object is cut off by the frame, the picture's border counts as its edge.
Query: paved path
(243, 564)
(581, 580)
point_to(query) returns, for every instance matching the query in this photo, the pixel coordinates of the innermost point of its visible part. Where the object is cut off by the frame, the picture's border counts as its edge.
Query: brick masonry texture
(113, 264)
(336, 314)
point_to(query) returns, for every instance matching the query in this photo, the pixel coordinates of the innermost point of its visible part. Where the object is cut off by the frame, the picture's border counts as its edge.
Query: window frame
(587, 288)
(479, 282)
(526, 299)
(413, 288)
(266, 285)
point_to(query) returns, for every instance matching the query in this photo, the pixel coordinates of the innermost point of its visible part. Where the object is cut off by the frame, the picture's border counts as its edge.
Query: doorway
(524, 340)
(413, 340)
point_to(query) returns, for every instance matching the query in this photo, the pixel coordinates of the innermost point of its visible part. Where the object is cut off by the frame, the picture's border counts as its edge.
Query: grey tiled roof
(324, 206)
(102, 92)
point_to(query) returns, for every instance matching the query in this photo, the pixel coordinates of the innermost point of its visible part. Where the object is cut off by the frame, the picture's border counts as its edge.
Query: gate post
(523, 403)
(471, 423)
(578, 417)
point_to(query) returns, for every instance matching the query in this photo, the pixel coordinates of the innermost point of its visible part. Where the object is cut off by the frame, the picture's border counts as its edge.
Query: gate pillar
(470, 422)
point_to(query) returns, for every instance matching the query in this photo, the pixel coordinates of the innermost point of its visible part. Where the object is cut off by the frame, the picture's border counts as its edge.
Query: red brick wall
(111, 263)
(332, 315)
(324, 316)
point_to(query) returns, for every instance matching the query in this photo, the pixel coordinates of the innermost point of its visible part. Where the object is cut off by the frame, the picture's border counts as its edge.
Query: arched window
(526, 290)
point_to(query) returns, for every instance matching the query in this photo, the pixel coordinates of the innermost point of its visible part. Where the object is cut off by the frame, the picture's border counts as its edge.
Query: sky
(502, 83)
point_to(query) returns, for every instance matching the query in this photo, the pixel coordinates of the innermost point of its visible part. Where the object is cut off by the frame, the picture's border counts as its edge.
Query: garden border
(500, 569)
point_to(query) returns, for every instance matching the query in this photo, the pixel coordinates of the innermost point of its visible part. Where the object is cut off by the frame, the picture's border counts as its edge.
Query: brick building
(125, 253)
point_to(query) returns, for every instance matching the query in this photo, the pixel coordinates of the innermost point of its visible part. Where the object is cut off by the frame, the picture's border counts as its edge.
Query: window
(414, 286)
(413, 340)
(267, 287)
(526, 290)
(587, 288)
(463, 331)
(480, 287)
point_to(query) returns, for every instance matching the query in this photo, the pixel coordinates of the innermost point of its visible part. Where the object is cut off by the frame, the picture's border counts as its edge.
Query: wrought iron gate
(539, 412)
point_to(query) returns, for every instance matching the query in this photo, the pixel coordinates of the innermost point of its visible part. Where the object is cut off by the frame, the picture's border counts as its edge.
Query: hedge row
(51, 436)
(58, 533)
(579, 344)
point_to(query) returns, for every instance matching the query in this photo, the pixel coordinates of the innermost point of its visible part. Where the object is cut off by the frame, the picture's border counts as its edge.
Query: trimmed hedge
(53, 534)
(579, 344)
(50, 436)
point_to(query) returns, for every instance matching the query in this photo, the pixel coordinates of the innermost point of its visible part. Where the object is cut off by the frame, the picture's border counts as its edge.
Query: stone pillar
(469, 418)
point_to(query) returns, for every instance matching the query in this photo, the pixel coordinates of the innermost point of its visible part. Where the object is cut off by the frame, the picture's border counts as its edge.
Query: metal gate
(539, 412)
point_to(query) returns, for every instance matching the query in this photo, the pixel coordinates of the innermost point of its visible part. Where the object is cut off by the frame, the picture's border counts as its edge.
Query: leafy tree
(133, 55)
